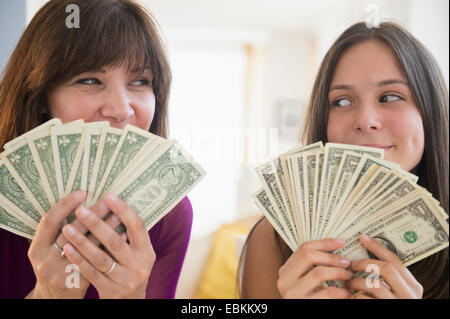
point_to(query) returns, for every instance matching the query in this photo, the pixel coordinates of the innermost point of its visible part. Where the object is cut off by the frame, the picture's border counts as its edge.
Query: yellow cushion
(218, 280)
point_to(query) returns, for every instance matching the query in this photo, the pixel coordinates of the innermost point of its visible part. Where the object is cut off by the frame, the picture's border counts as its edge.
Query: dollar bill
(131, 141)
(20, 163)
(107, 144)
(264, 204)
(157, 185)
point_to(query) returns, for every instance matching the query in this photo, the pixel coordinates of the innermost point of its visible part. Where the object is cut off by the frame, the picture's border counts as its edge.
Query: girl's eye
(88, 81)
(390, 98)
(341, 102)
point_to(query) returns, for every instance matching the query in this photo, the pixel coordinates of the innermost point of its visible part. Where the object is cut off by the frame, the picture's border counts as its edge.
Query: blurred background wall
(242, 75)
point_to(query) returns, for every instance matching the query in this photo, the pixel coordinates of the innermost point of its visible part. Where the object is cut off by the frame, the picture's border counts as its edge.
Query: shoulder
(181, 214)
(261, 262)
(174, 229)
(262, 241)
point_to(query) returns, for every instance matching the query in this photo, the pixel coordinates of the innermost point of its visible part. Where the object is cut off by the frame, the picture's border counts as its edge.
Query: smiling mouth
(384, 147)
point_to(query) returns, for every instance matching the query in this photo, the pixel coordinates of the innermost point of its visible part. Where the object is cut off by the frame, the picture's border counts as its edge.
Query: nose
(367, 119)
(117, 105)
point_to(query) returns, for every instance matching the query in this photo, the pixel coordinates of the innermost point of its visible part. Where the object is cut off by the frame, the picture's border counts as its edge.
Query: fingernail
(349, 273)
(70, 231)
(84, 212)
(68, 248)
(112, 197)
(102, 206)
(78, 195)
(339, 241)
(366, 238)
(344, 261)
(114, 218)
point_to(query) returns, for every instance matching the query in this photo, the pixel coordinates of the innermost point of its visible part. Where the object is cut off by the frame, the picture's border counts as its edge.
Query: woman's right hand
(310, 265)
(48, 264)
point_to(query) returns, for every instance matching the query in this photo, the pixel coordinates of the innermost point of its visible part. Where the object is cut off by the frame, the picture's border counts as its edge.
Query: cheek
(68, 106)
(145, 112)
(337, 128)
(411, 138)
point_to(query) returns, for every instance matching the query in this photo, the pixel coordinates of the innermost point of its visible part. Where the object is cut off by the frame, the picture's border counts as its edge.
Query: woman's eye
(88, 81)
(141, 82)
(390, 98)
(341, 102)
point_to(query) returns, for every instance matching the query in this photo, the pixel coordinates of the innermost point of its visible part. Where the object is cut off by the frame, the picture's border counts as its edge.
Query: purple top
(169, 237)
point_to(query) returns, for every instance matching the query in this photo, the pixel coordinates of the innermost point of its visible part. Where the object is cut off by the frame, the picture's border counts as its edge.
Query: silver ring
(110, 268)
(61, 251)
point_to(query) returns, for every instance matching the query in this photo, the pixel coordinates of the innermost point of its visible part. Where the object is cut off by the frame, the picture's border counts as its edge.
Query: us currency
(374, 176)
(48, 124)
(132, 140)
(286, 175)
(345, 172)
(107, 144)
(158, 184)
(41, 149)
(20, 163)
(14, 201)
(332, 158)
(65, 143)
(90, 153)
(266, 174)
(78, 172)
(412, 231)
(317, 177)
(309, 168)
(363, 166)
(12, 224)
(264, 204)
(78, 165)
(396, 192)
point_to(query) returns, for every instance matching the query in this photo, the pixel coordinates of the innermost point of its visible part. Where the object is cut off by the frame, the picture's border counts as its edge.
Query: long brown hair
(431, 97)
(111, 32)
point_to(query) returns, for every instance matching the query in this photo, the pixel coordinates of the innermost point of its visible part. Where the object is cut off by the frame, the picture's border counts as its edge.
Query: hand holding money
(310, 265)
(315, 192)
(43, 171)
(53, 160)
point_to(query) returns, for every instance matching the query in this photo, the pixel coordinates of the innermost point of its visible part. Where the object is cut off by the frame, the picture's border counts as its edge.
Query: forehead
(371, 60)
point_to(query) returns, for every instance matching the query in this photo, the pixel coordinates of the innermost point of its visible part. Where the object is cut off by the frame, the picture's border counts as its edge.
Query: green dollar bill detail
(161, 186)
(12, 191)
(130, 147)
(111, 141)
(22, 161)
(93, 147)
(76, 186)
(67, 148)
(14, 225)
(44, 149)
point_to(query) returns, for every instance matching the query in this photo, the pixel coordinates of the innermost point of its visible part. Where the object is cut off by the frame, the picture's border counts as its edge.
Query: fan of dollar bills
(40, 167)
(341, 191)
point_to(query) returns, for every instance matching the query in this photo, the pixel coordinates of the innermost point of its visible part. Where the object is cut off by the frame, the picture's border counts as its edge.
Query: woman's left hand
(124, 273)
(397, 281)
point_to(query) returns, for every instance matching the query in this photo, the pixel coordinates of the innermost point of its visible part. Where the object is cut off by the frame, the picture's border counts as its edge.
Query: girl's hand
(301, 276)
(124, 273)
(48, 264)
(397, 282)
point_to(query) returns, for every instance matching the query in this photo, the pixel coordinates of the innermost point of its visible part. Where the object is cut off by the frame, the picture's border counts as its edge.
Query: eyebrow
(379, 84)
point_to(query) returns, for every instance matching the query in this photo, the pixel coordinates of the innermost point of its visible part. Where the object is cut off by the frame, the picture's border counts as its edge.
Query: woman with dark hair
(377, 87)
(112, 68)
